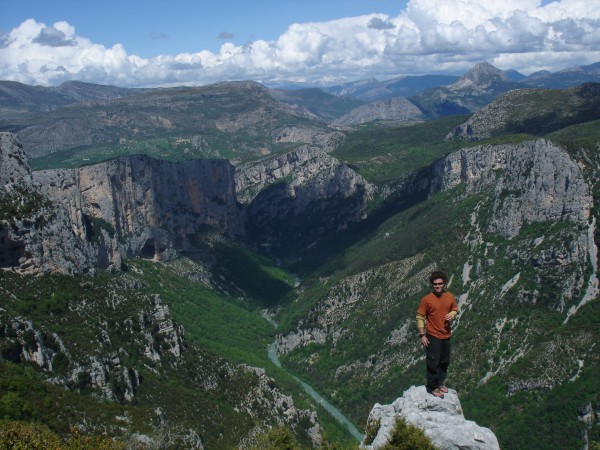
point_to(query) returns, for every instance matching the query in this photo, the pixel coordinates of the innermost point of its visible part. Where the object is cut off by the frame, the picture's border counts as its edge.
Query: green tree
(408, 437)
(278, 438)
(12, 406)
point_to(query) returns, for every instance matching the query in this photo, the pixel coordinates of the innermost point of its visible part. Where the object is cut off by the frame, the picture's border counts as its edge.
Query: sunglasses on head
(438, 284)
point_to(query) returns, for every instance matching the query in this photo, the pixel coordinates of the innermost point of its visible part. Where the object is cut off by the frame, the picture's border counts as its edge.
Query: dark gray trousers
(438, 359)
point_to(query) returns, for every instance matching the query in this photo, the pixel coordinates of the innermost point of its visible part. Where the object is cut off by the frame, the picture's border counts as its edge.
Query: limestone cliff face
(307, 184)
(35, 232)
(80, 219)
(533, 181)
(153, 206)
(530, 182)
(13, 162)
(253, 177)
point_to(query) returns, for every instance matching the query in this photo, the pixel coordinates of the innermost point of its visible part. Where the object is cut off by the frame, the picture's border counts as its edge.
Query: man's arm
(421, 327)
(454, 310)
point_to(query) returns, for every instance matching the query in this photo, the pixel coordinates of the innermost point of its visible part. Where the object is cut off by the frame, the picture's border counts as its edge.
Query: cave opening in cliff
(148, 251)
(10, 251)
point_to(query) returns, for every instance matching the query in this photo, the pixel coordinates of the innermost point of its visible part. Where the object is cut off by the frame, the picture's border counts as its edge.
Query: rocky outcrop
(442, 420)
(266, 398)
(396, 109)
(307, 184)
(532, 111)
(533, 181)
(35, 232)
(75, 220)
(302, 163)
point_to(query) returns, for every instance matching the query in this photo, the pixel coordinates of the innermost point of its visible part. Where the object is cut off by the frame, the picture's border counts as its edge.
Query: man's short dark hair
(436, 275)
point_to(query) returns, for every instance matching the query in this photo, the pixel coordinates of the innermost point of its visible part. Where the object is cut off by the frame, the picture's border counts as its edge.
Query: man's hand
(424, 341)
(449, 318)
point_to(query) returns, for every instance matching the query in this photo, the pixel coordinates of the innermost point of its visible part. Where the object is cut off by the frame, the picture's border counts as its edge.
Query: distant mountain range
(372, 89)
(408, 86)
(246, 119)
(41, 98)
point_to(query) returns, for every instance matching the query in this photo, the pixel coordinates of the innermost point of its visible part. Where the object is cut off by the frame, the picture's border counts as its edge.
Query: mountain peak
(483, 73)
(482, 77)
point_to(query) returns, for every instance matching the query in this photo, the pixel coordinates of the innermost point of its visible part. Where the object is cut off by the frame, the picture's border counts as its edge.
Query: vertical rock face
(13, 161)
(534, 181)
(151, 206)
(35, 233)
(73, 220)
(321, 194)
(442, 420)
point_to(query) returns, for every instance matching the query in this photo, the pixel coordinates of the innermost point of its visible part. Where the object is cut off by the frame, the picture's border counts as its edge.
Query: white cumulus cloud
(429, 36)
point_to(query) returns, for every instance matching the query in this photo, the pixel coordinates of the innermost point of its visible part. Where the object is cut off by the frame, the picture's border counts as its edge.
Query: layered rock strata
(74, 220)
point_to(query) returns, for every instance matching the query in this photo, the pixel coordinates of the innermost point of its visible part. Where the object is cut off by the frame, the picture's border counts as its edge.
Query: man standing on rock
(434, 315)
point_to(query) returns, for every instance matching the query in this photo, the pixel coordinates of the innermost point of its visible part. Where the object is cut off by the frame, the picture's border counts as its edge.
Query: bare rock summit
(442, 420)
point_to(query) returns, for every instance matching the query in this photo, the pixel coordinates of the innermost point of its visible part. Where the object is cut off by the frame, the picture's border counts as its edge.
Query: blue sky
(165, 43)
(152, 27)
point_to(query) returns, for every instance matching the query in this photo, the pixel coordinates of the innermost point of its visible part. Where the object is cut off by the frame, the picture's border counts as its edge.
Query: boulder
(442, 420)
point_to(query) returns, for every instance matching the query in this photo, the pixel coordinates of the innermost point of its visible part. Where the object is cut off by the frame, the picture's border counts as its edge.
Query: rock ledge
(442, 420)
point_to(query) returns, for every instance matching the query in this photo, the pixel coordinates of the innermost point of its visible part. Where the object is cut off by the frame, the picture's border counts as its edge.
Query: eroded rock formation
(74, 220)
(442, 420)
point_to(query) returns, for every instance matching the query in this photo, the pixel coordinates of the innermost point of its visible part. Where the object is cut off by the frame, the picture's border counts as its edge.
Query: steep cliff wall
(304, 162)
(534, 181)
(152, 206)
(80, 219)
(35, 232)
(318, 193)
